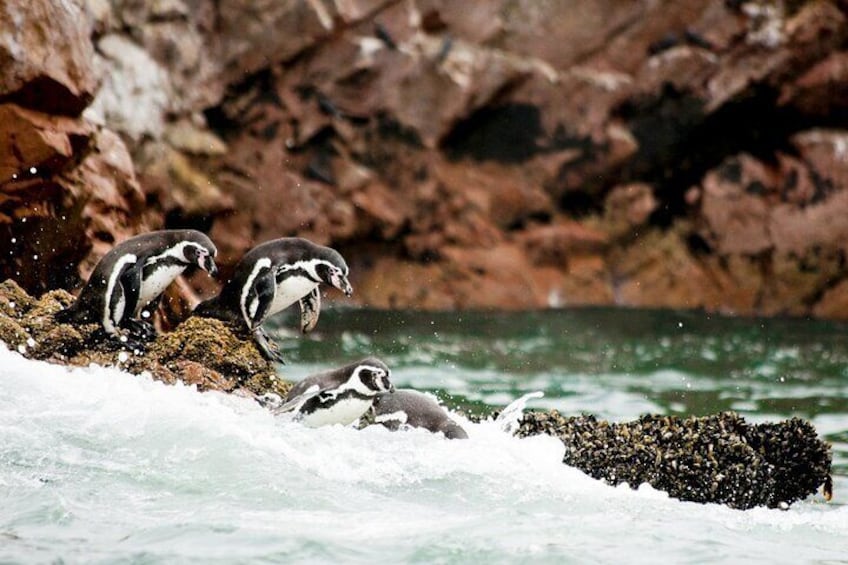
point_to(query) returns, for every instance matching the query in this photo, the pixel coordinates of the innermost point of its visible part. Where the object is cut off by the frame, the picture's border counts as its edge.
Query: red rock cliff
(500, 153)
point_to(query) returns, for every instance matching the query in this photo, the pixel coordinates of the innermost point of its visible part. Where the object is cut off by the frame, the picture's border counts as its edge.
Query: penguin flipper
(130, 282)
(259, 298)
(295, 403)
(310, 309)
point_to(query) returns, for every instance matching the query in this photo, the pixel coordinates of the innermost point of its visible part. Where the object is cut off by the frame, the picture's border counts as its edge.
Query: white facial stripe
(263, 263)
(309, 266)
(399, 416)
(108, 322)
(177, 252)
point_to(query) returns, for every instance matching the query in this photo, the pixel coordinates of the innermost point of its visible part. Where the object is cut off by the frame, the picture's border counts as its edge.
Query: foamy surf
(99, 464)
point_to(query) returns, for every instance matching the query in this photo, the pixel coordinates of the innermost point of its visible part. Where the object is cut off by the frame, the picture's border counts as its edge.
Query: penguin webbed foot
(140, 330)
(267, 347)
(116, 342)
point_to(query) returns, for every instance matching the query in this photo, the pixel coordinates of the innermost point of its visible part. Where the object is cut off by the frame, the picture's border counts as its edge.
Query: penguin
(339, 396)
(406, 407)
(270, 278)
(132, 275)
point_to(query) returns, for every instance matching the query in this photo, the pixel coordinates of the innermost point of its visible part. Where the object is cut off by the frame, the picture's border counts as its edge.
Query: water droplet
(30, 342)
(35, 257)
(12, 304)
(14, 240)
(33, 170)
(123, 357)
(679, 324)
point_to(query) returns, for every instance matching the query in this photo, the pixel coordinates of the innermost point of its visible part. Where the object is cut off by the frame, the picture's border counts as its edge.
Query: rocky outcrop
(717, 459)
(510, 154)
(201, 352)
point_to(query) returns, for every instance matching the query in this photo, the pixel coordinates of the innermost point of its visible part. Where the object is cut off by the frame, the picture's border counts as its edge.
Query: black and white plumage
(406, 407)
(339, 396)
(133, 274)
(270, 278)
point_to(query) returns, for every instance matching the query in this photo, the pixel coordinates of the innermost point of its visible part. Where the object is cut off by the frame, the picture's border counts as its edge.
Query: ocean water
(100, 466)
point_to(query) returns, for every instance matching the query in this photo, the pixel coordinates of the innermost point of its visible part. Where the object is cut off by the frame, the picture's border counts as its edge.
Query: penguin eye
(322, 271)
(367, 378)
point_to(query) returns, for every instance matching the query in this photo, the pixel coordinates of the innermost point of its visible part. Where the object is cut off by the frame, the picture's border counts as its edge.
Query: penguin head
(334, 271)
(199, 251)
(373, 376)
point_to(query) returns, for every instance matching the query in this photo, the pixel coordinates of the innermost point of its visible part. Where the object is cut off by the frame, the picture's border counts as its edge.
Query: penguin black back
(415, 409)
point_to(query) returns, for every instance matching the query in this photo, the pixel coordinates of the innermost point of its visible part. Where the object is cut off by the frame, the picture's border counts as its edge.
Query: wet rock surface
(717, 459)
(200, 352)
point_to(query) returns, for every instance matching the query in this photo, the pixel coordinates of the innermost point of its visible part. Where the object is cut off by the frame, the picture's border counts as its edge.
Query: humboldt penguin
(132, 275)
(270, 278)
(406, 407)
(339, 396)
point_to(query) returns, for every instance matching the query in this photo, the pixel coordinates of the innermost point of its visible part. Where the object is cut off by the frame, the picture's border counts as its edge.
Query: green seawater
(614, 363)
(100, 466)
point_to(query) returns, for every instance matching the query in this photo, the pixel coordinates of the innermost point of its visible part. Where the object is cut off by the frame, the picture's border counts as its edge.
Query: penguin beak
(208, 265)
(340, 282)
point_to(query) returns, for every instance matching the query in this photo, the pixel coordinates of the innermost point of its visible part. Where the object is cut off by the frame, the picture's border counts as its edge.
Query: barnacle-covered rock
(719, 458)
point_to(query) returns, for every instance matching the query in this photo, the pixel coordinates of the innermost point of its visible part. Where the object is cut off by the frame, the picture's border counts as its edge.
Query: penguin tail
(71, 315)
(212, 308)
(206, 309)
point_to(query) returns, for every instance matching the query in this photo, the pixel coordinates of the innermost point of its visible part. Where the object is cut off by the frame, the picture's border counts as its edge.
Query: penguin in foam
(339, 396)
(414, 409)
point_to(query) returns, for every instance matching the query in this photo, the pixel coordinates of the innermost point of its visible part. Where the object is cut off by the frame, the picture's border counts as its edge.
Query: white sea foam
(98, 464)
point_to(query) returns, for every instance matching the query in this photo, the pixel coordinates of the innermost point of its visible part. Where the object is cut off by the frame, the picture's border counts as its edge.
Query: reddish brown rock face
(503, 154)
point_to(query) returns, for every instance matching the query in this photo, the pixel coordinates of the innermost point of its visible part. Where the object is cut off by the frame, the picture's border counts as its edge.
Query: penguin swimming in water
(270, 278)
(406, 407)
(133, 274)
(339, 396)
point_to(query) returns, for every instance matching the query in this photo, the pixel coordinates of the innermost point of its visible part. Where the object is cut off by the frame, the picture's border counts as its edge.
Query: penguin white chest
(156, 283)
(290, 291)
(345, 412)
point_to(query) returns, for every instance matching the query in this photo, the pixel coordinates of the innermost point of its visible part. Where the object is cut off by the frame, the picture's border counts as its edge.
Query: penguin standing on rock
(133, 274)
(270, 278)
(340, 396)
(410, 408)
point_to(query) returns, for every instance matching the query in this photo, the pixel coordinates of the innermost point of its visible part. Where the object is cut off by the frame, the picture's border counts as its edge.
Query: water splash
(510, 416)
